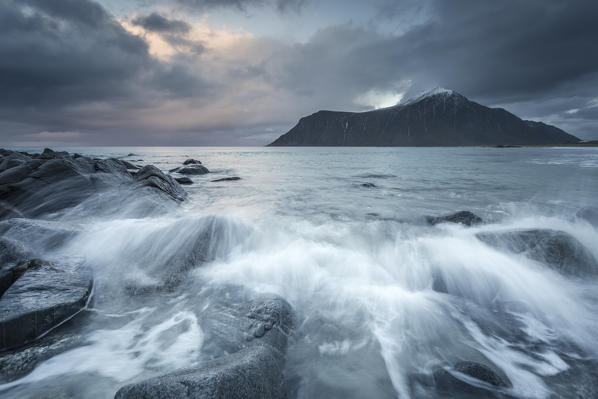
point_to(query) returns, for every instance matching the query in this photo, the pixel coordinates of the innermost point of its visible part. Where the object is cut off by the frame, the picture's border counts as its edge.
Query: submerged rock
(470, 380)
(368, 185)
(589, 214)
(463, 217)
(43, 297)
(234, 178)
(246, 337)
(552, 247)
(17, 363)
(183, 180)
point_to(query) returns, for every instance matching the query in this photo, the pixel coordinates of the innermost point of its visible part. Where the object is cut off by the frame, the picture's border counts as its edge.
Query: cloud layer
(72, 71)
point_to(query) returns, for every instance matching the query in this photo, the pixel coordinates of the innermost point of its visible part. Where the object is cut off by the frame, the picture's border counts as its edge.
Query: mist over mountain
(437, 118)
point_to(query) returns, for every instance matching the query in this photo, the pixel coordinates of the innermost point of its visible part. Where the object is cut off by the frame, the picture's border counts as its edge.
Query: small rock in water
(369, 185)
(183, 180)
(226, 179)
(192, 161)
(463, 217)
(193, 169)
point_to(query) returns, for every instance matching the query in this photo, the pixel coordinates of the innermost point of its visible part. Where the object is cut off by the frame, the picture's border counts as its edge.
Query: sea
(341, 234)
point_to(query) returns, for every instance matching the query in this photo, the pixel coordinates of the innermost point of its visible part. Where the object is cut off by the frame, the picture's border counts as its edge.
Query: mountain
(437, 118)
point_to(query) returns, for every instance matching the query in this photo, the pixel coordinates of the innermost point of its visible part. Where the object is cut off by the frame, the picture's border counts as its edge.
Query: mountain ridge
(440, 117)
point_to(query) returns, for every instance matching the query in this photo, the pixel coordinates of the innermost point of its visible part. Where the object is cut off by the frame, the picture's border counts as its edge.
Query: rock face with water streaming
(438, 118)
(247, 340)
(32, 185)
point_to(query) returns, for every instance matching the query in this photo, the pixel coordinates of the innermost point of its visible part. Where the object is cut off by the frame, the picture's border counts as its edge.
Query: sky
(242, 72)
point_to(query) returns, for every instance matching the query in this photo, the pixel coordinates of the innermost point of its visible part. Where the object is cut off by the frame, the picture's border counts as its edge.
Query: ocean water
(357, 263)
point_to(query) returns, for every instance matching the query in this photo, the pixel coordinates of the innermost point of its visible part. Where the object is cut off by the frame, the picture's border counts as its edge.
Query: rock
(183, 180)
(368, 185)
(12, 254)
(43, 297)
(234, 178)
(51, 154)
(246, 337)
(39, 184)
(193, 169)
(470, 379)
(254, 372)
(131, 154)
(17, 363)
(129, 165)
(151, 176)
(192, 161)
(463, 217)
(13, 159)
(589, 214)
(555, 248)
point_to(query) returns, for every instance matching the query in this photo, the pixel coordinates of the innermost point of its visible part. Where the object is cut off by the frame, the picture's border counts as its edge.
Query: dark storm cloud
(69, 66)
(58, 57)
(504, 53)
(281, 5)
(157, 23)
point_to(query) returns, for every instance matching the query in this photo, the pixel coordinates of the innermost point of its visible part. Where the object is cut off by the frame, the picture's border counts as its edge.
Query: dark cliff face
(442, 118)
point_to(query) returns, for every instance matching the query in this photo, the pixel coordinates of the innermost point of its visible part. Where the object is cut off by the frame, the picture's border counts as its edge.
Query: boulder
(246, 341)
(234, 178)
(12, 254)
(17, 363)
(42, 298)
(38, 184)
(193, 169)
(589, 214)
(150, 176)
(462, 217)
(557, 249)
(468, 379)
(183, 180)
(254, 372)
(192, 161)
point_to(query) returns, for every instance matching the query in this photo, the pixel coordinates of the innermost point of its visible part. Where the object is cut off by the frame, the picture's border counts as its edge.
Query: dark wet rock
(183, 180)
(462, 217)
(43, 297)
(37, 235)
(131, 154)
(192, 161)
(19, 362)
(45, 183)
(151, 176)
(254, 372)
(368, 185)
(129, 165)
(246, 339)
(555, 248)
(12, 265)
(470, 380)
(234, 178)
(589, 214)
(51, 154)
(193, 169)
(13, 159)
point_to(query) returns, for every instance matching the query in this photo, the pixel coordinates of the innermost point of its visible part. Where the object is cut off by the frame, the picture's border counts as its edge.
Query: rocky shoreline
(44, 303)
